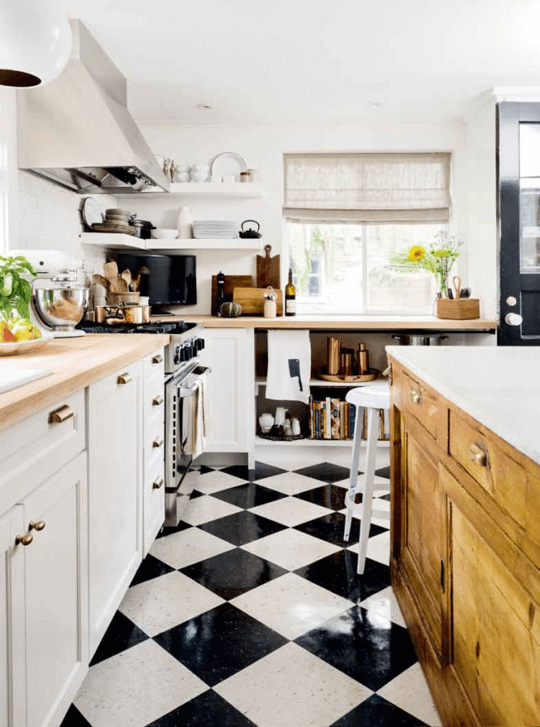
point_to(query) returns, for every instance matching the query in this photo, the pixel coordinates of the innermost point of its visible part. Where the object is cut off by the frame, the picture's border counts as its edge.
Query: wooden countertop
(371, 323)
(75, 363)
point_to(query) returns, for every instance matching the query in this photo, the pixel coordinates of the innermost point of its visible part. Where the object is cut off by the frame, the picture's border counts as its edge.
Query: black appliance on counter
(166, 280)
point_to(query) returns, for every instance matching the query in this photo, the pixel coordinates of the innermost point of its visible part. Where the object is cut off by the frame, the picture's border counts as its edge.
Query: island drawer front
(36, 447)
(513, 484)
(424, 404)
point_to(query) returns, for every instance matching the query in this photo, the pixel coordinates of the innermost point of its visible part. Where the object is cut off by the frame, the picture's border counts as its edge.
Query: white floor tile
(291, 605)
(378, 548)
(290, 511)
(212, 482)
(384, 603)
(382, 485)
(290, 483)
(136, 687)
(187, 547)
(203, 509)
(410, 692)
(161, 603)
(292, 688)
(291, 549)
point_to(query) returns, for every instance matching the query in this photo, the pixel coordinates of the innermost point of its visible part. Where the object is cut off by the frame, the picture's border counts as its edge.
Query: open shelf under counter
(260, 381)
(236, 190)
(119, 241)
(261, 442)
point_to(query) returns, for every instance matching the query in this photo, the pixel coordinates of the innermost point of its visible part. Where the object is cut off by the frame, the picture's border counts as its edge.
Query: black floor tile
(383, 472)
(195, 494)
(150, 568)
(385, 497)
(220, 642)
(206, 709)
(261, 471)
(325, 472)
(330, 528)
(121, 635)
(249, 495)
(337, 573)
(232, 573)
(166, 530)
(205, 470)
(378, 712)
(330, 496)
(74, 718)
(366, 647)
(241, 527)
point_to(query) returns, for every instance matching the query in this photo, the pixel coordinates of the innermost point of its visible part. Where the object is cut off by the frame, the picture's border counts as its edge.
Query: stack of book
(332, 418)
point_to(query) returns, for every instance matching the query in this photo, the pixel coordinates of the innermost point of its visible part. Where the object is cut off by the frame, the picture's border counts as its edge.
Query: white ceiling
(316, 61)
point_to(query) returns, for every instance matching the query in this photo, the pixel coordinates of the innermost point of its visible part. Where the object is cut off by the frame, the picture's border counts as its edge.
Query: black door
(519, 218)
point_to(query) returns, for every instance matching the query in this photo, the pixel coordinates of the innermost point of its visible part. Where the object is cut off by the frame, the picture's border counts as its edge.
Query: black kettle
(250, 233)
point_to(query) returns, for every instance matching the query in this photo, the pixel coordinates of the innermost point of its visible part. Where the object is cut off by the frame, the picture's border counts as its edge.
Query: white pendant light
(35, 42)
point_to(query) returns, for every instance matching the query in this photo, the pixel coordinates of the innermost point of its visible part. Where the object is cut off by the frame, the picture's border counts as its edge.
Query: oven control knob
(200, 343)
(185, 353)
(177, 358)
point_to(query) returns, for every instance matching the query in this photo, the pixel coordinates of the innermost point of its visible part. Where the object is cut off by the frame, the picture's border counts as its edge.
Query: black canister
(142, 228)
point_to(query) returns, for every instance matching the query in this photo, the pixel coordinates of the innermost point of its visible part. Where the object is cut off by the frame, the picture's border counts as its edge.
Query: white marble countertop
(499, 387)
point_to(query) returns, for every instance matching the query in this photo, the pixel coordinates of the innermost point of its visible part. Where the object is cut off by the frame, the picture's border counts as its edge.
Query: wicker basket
(458, 309)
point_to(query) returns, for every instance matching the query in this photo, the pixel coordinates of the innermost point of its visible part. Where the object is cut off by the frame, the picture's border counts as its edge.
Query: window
(345, 216)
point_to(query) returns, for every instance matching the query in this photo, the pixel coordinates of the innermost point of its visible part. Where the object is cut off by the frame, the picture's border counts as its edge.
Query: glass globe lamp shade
(35, 42)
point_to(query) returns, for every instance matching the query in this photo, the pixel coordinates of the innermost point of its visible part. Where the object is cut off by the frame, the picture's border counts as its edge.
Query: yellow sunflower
(416, 253)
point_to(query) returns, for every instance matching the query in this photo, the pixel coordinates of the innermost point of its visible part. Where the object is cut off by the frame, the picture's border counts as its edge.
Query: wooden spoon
(126, 275)
(100, 280)
(456, 280)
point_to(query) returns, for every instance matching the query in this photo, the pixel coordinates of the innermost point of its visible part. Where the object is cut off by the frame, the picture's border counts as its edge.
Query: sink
(12, 378)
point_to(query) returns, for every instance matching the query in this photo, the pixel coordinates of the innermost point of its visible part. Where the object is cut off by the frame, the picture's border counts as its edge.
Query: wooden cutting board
(231, 282)
(268, 270)
(252, 301)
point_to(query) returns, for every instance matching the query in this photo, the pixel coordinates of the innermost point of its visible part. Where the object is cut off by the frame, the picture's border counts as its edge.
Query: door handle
(124, 378)
(62, 414)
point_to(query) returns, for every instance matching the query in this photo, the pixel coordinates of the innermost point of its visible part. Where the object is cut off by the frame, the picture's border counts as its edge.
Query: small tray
(373, 374)
(273, 438)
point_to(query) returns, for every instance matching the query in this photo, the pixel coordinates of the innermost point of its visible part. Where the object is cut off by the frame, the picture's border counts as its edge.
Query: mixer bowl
(60, 307)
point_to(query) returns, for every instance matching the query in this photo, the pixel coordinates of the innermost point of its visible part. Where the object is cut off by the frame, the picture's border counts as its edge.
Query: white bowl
(182, 177)
(200, 167)
(10, 349)
(182, 168)
(162, 233)
(199, 177)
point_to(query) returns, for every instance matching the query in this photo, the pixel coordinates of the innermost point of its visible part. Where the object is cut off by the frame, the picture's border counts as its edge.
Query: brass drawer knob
(24, 539)
(36, 526)
(157, 401)
(157, 442)
(62, 414)
(157, 359)
(416, 396)
(124, 379)
(157, 483)
(478, 455)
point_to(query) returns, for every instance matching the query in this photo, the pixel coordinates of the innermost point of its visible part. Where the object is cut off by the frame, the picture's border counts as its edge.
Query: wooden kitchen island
(465, 552)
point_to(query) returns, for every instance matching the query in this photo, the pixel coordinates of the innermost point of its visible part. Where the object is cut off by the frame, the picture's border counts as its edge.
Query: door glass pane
(530, 225)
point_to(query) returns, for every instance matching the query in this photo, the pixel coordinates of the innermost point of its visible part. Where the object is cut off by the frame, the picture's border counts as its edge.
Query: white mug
(279, 419)
(296, 427)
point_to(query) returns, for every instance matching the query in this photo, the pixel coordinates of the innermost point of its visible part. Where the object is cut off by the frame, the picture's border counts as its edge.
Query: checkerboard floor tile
(250, 613)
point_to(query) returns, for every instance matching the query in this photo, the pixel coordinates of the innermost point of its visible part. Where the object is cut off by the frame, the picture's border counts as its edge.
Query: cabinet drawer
(512, 484)
(39, 445)
(424, 404)
(154, 366)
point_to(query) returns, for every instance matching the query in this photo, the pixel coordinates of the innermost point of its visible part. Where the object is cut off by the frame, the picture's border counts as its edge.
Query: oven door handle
(185, 391)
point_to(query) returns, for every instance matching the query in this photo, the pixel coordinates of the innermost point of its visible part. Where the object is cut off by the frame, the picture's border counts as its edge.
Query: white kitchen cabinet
(12, 632)
(229, 352)
(153, 447)
(114, 424)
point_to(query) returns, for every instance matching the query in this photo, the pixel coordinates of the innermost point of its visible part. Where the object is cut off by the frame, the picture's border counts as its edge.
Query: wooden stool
(372, 397)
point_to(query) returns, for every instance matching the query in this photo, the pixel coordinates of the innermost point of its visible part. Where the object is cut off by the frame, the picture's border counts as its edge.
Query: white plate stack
(210, 229)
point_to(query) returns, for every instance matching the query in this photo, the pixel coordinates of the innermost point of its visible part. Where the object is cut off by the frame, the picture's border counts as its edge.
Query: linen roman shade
(367, 187)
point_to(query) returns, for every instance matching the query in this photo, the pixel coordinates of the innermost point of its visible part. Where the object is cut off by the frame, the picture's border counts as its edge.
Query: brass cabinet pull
(62, 414)
(157, 401)
(157, 442)
(416, 396)
(40, 525)
(478, 455)
(157, 359)
(157, 483)
(124, 378)
(24, 539)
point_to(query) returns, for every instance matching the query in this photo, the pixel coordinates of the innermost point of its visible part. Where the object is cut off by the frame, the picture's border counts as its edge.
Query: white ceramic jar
(185, 223)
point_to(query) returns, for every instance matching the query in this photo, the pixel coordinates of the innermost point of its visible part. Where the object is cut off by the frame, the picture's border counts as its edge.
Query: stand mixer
(59, 302)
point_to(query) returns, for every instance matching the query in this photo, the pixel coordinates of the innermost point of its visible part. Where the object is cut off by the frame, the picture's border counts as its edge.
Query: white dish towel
(285, 347)
(196, 444)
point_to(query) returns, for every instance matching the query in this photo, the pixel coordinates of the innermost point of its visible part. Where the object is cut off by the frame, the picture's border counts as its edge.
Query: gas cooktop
(174, 328)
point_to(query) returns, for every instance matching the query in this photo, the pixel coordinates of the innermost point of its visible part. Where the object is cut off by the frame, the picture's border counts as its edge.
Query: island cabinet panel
(422, 402)
(465, 562)
(422, 530)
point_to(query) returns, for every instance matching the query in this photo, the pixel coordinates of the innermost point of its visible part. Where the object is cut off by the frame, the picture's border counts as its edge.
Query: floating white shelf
(119, 241)
(245, 190)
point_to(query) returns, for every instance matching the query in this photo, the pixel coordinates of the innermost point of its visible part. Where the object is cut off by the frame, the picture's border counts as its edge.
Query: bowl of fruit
(17, 332)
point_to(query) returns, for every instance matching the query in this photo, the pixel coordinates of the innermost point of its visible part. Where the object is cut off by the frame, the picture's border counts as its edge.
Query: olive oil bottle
(290, 296)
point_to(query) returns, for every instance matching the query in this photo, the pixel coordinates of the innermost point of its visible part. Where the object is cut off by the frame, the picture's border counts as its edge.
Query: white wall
(8, 169)
(263, 149)
(482, 231)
